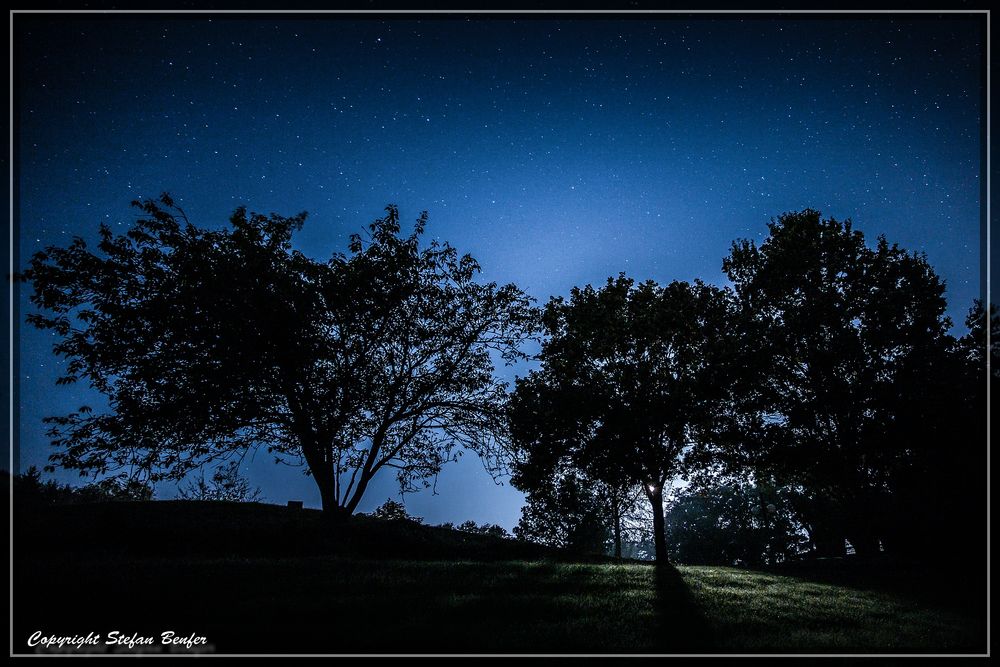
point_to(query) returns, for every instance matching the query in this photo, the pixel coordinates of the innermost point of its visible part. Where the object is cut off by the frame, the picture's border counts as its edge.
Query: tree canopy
(632, 380)
(210, 341)
(843, 337)
(827, 376)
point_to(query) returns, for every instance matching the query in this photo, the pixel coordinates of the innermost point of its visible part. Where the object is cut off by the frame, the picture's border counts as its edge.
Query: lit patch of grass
(754, 611)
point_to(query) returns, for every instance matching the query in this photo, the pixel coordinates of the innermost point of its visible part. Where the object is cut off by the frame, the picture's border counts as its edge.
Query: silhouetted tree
(632, 381)
(839, 335)
(974, 346)
(208, 342)
(392, 510)
(29, 489)
(227, 484)
(939, 481)
(491, 529)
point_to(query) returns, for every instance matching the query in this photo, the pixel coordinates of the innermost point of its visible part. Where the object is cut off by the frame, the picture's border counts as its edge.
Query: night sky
(557, 152)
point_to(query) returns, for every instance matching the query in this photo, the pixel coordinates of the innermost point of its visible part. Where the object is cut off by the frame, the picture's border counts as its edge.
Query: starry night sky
(557, 152)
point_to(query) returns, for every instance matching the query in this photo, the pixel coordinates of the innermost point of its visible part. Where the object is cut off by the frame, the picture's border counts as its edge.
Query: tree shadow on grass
(681, 625)
(954, 585)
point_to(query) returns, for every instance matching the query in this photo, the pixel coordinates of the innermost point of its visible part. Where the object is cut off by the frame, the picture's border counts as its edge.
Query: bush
(391, 510)
(491, 529)
(227, 484)
(30, 489)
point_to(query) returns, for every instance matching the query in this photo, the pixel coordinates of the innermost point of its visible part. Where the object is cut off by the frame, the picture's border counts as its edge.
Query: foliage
(491, 529)
(226, 484)
(567, 514)
(841, 338)
(470, 526)
(210, 342)
(29, 488)
(939, 484)
(973, 346)
(733, 524)
(392, 510)
(632, 384)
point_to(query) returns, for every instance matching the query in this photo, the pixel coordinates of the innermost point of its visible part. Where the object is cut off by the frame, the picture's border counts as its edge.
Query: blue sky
(557, 152)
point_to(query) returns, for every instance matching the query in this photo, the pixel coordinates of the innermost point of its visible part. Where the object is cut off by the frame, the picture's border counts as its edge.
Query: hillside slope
(266, 579)
(172, 528)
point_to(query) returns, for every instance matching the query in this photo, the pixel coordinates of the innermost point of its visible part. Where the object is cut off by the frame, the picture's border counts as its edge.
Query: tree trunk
(332, 508)
(366, 472)
(359, 491)
(655, 495)
(326, 483)
(326, 494)
(617, 509)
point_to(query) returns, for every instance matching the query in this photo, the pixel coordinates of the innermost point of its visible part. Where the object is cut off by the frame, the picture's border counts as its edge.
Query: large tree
(632, 380)
(841, 336)
(208, 342)
(939, 479)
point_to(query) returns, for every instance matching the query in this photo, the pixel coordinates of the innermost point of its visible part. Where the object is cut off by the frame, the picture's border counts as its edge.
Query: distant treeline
(30, 490)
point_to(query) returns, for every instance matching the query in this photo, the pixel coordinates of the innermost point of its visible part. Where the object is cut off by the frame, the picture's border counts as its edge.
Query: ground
(267, 579)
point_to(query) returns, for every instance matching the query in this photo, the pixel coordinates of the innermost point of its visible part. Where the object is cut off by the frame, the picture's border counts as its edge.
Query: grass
(480, 599)
(756, 611)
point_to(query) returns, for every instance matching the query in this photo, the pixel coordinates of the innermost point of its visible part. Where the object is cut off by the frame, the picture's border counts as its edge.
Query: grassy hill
(259, 578)
(220, 529)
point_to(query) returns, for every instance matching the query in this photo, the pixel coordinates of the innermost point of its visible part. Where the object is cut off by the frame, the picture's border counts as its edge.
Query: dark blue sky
(557, 152)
